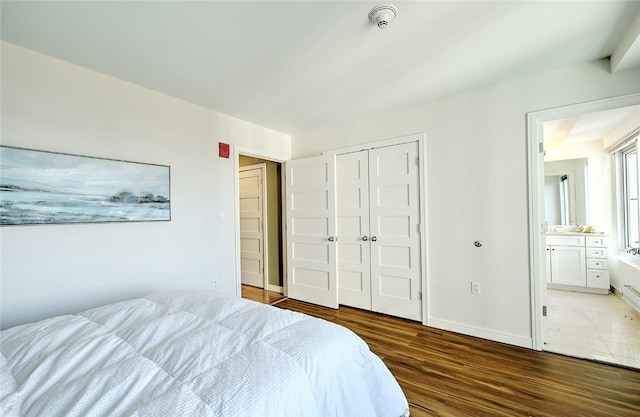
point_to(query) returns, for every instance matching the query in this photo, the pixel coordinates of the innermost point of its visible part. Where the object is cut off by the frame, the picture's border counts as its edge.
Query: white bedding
(192, 353)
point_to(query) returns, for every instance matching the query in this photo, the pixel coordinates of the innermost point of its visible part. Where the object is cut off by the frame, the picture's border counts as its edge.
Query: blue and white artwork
(39, 187)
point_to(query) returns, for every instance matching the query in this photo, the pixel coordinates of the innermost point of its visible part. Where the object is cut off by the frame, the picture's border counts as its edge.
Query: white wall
(48, 104)
(627, 272)
(477, 189)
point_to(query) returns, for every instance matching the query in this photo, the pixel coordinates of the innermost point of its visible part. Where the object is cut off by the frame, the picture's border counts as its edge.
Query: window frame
(623, 201)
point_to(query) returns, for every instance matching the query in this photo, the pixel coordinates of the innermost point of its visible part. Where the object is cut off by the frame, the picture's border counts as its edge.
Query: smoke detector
(383, 15)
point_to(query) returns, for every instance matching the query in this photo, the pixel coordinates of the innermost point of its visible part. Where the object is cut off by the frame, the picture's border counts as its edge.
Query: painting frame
(41, 187)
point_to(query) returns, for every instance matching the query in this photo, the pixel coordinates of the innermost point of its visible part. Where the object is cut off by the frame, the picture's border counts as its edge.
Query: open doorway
(260, 229)
(578, 260)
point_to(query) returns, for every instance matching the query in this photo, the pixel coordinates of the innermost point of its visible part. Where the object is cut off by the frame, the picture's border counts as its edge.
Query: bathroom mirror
(565, 184)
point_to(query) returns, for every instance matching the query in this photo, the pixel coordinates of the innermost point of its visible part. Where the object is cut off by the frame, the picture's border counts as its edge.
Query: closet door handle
(373, 238)
(364, 238)
(331, 239)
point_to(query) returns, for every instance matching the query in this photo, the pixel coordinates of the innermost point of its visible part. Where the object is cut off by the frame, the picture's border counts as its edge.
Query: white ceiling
(608, 126)
(294, 66)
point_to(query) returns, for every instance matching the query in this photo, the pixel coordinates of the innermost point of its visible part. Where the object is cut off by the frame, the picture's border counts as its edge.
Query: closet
(353, 229)
(378, 230)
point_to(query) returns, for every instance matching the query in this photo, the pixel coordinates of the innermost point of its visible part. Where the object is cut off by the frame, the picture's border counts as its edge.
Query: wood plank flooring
(260, 295)
(448, 374)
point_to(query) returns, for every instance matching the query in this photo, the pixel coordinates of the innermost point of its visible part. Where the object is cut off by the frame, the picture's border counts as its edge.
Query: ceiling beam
(627, 53)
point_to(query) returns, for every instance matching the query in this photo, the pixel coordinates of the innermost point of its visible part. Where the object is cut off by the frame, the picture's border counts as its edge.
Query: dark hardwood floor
(448, 374)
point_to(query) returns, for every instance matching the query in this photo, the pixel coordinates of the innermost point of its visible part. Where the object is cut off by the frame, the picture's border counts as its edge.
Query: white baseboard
(481, 332)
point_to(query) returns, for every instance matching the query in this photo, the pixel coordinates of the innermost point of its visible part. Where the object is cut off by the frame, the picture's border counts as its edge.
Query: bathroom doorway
(578, 322)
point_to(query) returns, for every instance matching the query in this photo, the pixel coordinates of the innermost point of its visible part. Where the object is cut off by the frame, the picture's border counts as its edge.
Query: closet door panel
(252, 226)
(394, 222)
(311, 230)
(354, 277)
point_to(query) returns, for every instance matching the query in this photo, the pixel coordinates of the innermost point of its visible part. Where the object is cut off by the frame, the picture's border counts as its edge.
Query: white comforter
(192, 353)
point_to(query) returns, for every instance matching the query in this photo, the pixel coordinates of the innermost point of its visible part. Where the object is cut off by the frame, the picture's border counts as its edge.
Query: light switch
(220, 215)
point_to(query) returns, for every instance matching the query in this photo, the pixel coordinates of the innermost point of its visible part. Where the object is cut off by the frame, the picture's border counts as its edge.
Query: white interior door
(310, 191)
(354, 267)
(252, 218)
(395, 230)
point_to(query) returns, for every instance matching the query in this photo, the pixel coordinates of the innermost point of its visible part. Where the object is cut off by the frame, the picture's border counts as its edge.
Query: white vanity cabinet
(577, 262)
(567, 260)
(597, 264)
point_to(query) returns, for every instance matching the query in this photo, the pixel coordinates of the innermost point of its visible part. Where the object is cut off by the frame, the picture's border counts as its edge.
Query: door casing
(238, 150)
(535, 181)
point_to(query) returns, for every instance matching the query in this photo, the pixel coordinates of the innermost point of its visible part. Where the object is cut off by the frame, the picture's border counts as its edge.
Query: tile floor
(592, 326)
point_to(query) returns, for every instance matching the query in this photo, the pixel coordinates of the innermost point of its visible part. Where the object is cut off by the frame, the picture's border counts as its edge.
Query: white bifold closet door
(311, 230)
(353, 230)
(354, 268)
(378, 205)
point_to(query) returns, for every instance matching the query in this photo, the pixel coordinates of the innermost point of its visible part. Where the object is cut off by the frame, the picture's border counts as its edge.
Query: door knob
(373, 238)
(331, 239)
(364, 238)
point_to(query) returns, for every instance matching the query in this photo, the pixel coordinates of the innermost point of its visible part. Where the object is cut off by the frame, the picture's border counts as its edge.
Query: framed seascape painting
(38, 187)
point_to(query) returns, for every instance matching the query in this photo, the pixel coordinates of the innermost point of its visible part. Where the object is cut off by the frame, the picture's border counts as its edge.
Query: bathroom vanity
(577, 262)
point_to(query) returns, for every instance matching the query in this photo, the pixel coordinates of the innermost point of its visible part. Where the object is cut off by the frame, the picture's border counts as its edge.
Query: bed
(192, 353)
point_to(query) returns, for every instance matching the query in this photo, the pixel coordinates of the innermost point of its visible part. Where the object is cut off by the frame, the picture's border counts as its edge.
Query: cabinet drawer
(597, 253)
(565, 240)
(597, 279)
(597, 263)
(599, 241)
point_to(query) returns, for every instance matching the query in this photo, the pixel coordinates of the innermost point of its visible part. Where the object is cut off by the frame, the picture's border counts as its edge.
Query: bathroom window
(629, 160)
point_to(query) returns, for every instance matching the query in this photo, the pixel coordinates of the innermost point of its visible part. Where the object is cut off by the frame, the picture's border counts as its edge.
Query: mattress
(192, 353)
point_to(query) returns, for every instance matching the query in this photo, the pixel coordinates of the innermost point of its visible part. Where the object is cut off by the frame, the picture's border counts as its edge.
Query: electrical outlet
(475, 287)
(214, 284)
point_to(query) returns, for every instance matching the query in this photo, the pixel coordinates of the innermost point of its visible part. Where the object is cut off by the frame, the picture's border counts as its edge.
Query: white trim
(283, 225)
(265, 221)
(618, 210)
(625, 141)
(236, 204)
(275, 288)
(536, 197)
(421, 139)
(237, 151)
(424, 227)
(416, 137)
(484, 333)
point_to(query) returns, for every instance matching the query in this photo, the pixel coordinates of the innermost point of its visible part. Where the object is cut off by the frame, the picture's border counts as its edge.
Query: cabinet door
(354, 266)
(568, 265)
(395, 240)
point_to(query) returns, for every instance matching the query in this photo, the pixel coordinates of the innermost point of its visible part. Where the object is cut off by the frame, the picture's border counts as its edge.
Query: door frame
(239, 150)
(422, 152)
(265, 230)
(535, 182)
